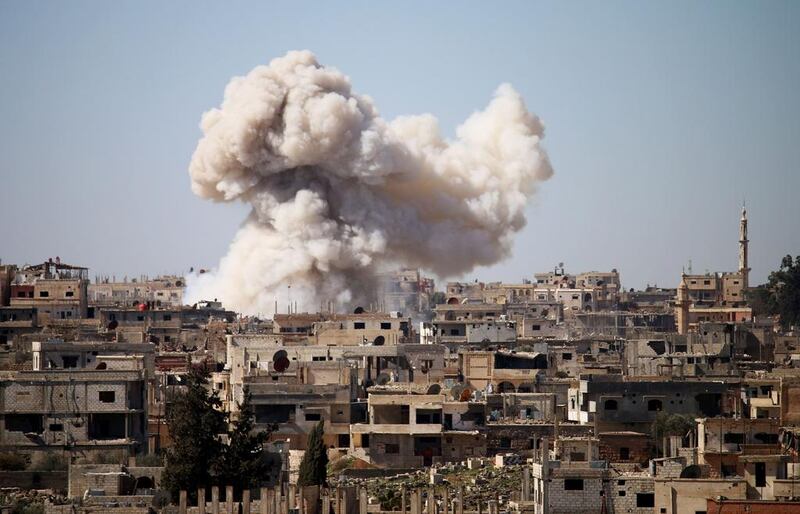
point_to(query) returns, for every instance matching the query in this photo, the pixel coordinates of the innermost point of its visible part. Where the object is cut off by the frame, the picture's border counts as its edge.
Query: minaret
(743, 269)
(682, 307)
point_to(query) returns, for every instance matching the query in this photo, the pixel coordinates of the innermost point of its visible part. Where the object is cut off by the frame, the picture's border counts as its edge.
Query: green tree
(437, 298)
(781, 294)
(667, 424)
(195, 423)
(314, 467)
(245, 463)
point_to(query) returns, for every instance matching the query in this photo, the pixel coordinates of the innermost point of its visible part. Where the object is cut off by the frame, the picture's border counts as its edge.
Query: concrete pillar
(182, 502)
(431, 500)
(229, 499)
(402, 499)
(201, 500)
(276, 497)
(326, 504)
(292, 498)
(214, 499)
(412, 496)
(246, 501)
(526, 484)
(479, 506)
(460, 500)
(446, 500)
(264, 501)
(362, 500)
(301, 500)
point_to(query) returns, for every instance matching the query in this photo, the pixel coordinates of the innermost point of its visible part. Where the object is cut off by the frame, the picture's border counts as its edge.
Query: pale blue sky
(661, 117)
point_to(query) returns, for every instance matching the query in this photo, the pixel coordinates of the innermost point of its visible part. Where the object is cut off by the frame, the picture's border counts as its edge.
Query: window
(70, 361)
(359, 325)
(56, 427)
(392, 448)
(69, 294)
(167, 317)
(733, 438)
(645, 500)
(313, 416)
(610, 405)
(139, 318)
(318, 358)
(706, 282)
(573, 484)
(566, 356)
(453, 331)
(107, 396)
(624, 453)
(622, 493)
(654, 405)
(43, 294)
(505, 442)
(386, 326)
(761, 474)
(536, 327)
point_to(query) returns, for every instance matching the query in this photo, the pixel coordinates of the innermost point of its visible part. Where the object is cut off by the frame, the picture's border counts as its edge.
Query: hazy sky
(661, 118)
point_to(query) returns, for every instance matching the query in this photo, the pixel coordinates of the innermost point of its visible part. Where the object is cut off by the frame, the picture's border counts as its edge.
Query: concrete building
(413, 430)
(56, 290)
(162, 291)
(77, 400)
(612, 404)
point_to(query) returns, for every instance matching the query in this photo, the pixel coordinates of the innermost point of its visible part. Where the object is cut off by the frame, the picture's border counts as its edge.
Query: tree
(781, 294)
(245, 463)
(195, 423)
(314, 467)
(667, 424)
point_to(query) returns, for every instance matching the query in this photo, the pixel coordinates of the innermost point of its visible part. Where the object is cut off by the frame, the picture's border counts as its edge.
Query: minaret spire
(744, 270)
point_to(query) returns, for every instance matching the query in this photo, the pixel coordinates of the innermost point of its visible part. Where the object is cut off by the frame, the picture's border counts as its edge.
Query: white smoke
(338, 193)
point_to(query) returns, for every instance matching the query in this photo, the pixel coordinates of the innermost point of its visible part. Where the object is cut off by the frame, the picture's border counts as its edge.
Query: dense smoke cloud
(338, 193)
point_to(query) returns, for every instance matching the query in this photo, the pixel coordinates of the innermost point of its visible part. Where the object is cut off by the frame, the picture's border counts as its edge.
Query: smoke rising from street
(338, 193)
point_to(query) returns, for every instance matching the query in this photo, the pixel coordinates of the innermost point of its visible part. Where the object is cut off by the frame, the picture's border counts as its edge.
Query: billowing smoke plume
(338, 193)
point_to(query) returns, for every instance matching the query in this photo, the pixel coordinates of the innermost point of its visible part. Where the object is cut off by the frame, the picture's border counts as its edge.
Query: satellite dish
(466, 395)
(358, 310)
(281, 364)
(383, 379)
(379, 341)
(280, 354)
(456, 390)
(434, 389)
(692, 471)
(101, 365)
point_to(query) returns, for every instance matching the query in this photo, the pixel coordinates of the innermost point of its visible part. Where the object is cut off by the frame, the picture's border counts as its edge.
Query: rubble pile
(481, 484)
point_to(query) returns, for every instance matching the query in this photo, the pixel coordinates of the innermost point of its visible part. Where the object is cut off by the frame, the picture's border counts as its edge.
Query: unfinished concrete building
(413, 430)
(56, 290)
(79, 399)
